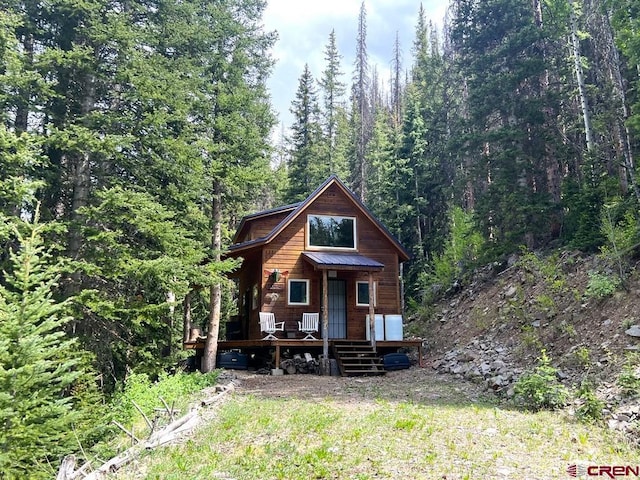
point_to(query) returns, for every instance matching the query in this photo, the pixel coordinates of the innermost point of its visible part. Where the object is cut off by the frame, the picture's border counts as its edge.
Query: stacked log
(298, 364)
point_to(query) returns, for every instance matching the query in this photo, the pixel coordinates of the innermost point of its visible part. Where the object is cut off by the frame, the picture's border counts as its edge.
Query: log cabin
(326, 255)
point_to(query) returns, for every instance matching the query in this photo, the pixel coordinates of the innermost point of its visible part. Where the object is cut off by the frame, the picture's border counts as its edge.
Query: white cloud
(291, 12)
(304, 26)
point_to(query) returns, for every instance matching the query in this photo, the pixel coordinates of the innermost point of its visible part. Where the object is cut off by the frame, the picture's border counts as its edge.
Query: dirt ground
(420, 385)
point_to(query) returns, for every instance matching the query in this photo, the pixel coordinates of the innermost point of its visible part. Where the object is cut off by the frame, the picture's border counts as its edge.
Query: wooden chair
(309, 325)
(269, 325)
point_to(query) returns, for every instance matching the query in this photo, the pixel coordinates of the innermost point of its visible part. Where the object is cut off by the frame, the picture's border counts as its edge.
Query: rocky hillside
(494, 328)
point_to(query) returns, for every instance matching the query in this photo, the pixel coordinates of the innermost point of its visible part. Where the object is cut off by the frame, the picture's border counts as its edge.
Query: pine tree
(422, 165)
(306, 171)
(333, 90)
(361, 110)
(163, 102)
(499, 53)
(39, 364)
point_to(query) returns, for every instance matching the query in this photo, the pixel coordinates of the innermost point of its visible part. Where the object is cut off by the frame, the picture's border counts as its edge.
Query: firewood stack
(299, 364)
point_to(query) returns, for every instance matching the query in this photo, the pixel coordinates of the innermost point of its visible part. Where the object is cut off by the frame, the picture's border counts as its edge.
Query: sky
(304, 26)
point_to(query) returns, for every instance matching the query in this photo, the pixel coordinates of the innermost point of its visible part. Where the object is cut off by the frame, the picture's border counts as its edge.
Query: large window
(298, 293)
(331, 232)
(362, 294)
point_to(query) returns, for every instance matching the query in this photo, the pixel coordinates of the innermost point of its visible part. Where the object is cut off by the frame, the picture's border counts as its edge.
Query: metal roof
(342, 261)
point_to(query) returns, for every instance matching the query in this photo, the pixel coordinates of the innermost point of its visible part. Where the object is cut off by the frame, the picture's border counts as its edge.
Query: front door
(337, 298)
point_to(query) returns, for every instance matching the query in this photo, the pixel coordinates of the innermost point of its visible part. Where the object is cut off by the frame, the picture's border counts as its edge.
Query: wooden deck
(298, 344)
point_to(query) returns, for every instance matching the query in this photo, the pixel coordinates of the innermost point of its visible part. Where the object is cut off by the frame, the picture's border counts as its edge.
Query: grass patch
(253, 437)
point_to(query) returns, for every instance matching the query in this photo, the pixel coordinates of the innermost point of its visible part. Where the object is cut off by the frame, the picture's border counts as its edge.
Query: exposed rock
(511, 292)
(496, 383)
(634, 331)
(498, 365)
(467, 357)
(487, 344)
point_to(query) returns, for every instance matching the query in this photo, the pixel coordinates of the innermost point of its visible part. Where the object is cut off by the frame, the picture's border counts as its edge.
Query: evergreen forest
(134, 135)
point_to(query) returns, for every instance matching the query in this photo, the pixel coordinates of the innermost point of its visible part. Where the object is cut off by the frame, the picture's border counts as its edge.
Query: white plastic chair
(309, 325)
(269, 325)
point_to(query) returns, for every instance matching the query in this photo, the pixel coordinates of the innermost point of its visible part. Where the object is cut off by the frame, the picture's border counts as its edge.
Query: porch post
(325, 324)
(372, 319)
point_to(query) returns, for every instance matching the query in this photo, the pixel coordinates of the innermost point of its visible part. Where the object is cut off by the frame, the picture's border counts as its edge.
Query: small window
(298, 292)
(362, 294)
(331, 232)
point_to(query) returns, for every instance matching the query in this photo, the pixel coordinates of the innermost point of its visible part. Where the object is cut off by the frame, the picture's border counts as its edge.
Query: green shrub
(460, 253)
(546, 270)
(582, 356)
(541, 389)
(601, 285)
(590, 410)
(172, 388)
(629, 380)
(620, 227)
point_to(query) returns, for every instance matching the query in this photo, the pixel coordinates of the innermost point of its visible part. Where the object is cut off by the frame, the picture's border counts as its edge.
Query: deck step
(353, 349)
(367, 358)
(357, 358)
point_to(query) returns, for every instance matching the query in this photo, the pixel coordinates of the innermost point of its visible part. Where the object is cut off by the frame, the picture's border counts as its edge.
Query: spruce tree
(422, 173)
(361, 110)
(333, 90)
(306, 170)
(499, 51)
(39, 364)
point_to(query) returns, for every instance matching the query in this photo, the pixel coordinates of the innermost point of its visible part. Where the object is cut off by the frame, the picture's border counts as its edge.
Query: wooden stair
(357, 358)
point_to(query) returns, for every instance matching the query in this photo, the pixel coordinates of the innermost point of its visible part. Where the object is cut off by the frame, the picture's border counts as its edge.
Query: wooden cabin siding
(263, 226)
(284, 253)
(260, 227)
(332, 202)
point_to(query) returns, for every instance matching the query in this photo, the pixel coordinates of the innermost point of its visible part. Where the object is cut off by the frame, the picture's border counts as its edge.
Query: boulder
(511, 292)
(633, 331)
(496, 383)
(498, 365)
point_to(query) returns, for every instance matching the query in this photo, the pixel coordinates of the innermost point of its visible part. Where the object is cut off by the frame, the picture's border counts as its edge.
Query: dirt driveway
(419, 385)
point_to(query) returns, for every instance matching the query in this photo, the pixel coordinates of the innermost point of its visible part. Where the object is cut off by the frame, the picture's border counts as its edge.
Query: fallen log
(174, 434)
(67, 468)
(115, 463)
(156, 438)
(130, 433)
(172, 426)
(208, 401)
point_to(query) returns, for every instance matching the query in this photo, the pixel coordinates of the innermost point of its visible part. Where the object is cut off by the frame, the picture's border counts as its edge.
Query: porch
(276, 348)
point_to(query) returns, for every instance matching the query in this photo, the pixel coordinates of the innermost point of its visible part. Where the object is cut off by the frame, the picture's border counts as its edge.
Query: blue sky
(304, 26)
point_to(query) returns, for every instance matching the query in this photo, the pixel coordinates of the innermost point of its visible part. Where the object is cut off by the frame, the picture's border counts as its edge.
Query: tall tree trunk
(171, 300)
(80, 165)
(419, 232)
(612, 58)
(582, 91)
(396, 87)
(186, 317)
(22, 112)
(215, 298)
(362, 108)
